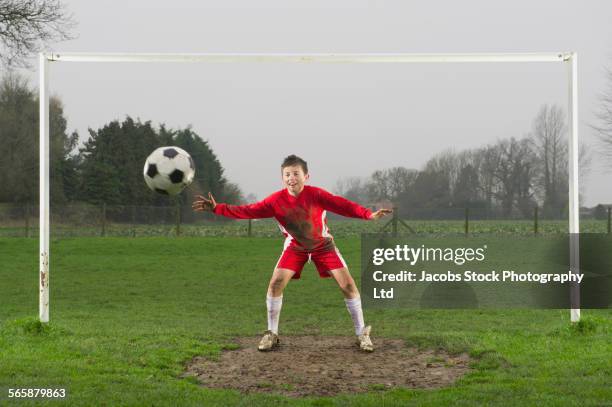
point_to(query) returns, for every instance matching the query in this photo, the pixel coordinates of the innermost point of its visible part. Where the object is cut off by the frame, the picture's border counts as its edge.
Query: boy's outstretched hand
(204, 205)
(380, 213)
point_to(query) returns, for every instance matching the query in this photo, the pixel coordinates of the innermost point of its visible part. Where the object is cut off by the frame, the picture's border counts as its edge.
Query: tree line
(508, 178)
(107, 169)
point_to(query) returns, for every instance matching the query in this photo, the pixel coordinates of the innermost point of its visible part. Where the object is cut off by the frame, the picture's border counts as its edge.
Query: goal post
(43, 301)
(45, 60)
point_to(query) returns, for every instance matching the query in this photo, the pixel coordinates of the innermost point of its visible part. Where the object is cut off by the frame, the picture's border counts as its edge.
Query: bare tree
(604, 129)
(549, 139)
(447, 162)
(466, 189)
(388, 184)
(430, 195)
(378, 186)
(353, 188)
(26, 26)
(399, 180)
(504, 174)
(486, 161)
(524, 173)
(19, 145)
(513, 176)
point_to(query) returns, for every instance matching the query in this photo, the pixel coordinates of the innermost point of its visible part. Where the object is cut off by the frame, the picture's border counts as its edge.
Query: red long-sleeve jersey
(302, 219)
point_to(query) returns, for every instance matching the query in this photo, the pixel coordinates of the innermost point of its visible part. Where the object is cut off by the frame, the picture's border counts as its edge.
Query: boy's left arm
(344, 207)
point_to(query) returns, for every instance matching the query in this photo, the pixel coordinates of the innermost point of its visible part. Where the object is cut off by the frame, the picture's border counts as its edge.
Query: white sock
(274, 305)
(354, 308)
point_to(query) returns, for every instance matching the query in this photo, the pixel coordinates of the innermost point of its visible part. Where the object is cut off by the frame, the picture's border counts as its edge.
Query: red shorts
(325, 260)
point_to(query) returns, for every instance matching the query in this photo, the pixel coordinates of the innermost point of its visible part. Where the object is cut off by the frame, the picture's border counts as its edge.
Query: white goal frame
(45, 59)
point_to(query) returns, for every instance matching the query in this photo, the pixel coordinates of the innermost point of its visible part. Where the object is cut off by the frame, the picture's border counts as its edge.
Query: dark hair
(295, 160)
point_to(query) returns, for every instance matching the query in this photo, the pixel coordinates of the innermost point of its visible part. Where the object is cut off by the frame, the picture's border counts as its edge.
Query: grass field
(126, 314)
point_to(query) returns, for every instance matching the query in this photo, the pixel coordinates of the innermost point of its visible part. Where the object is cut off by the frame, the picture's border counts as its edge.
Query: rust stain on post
(44, 282)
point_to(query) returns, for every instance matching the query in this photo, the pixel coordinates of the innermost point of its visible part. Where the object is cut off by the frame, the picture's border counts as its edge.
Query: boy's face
(294, 178)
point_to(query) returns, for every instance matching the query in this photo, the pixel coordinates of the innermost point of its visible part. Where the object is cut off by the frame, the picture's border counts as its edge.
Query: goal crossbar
(45, 58)
(309, 58)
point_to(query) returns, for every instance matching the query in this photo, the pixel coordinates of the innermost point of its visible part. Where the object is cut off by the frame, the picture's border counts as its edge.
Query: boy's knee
(348, 287)
(275, 284)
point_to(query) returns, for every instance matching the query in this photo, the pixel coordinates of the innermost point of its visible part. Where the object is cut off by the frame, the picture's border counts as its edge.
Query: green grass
(126, 314)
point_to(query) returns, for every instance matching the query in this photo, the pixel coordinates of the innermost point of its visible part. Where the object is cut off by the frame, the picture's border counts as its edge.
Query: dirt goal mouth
(326, 366)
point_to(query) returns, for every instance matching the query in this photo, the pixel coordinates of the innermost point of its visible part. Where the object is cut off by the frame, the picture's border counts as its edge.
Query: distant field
(126, 314)
(268, 228)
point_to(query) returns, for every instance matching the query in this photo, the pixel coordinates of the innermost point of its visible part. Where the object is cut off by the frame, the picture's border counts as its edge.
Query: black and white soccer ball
(168, 170)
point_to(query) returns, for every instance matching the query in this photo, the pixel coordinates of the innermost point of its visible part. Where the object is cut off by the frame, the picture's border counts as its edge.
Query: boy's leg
(274, 302)
(330, 262)
(289, 266)
(353, 305)
(274, 299)
(345, 282)
(351, 297)
(278, 281)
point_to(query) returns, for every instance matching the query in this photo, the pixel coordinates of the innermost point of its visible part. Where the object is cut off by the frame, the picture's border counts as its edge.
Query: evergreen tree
(209, 172)
(112, 162)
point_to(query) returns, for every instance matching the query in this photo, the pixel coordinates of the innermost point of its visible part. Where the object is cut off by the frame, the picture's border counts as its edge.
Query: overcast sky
(345, 120)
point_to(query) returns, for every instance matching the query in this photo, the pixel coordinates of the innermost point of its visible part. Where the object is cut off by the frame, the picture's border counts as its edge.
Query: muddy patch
(326, 366)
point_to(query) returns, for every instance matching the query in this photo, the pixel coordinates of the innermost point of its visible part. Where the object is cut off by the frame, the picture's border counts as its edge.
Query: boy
(300, 211)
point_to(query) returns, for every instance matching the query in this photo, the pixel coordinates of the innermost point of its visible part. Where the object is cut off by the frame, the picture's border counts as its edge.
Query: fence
(139, 221)
(396, 224)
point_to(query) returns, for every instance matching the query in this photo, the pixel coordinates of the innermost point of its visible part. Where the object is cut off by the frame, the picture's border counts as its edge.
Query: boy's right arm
(257, 210)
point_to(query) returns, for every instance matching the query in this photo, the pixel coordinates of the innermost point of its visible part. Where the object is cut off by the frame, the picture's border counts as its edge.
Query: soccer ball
(168, 170)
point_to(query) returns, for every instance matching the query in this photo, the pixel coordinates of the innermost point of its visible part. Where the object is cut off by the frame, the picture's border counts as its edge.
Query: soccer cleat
(268, 342)
(364, 341)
